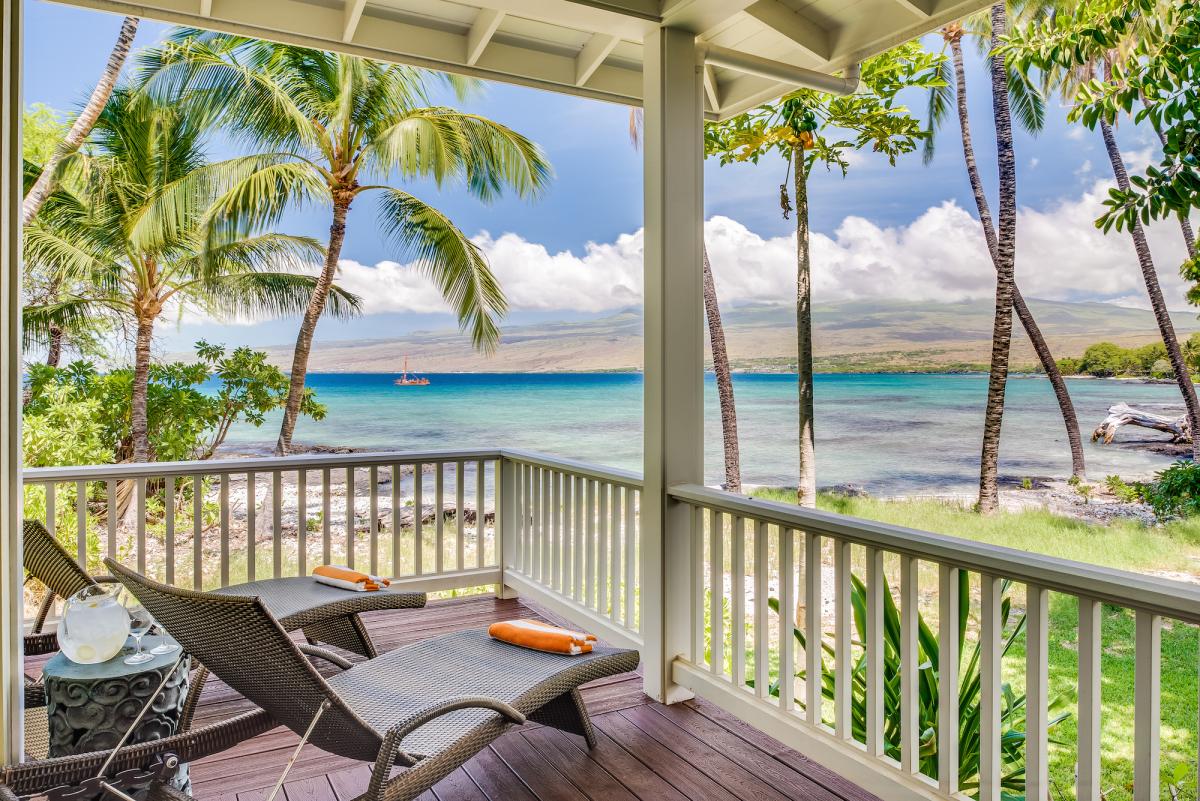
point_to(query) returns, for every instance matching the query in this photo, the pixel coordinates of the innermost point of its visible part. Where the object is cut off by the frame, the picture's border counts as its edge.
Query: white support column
(674, 342)
(11, 666)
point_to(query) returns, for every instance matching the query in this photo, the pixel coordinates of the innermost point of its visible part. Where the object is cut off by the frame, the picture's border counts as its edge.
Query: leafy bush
(1175, 491)
(1122, 490)
(1012, 705)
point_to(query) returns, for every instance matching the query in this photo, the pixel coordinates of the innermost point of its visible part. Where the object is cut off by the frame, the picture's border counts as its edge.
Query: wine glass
(164, 646)
(140, 622)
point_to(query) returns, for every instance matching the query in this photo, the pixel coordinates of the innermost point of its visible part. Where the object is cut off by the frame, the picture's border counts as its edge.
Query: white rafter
(206, 8)
(353, 15)
(481, 33)
(923, 9)
(801, 30)
(701, 17)
(592, 56)
(712, 89)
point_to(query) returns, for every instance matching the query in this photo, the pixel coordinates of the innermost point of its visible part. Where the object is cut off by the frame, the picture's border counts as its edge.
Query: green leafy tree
(1029, 109)
(337, 127)
(138, 237)
(807, 129)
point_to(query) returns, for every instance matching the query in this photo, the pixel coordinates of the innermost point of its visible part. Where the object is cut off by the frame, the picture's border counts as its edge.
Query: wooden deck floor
(646, 750)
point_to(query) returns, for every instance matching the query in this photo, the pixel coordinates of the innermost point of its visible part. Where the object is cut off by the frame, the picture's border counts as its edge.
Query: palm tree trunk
(993, 418)
(1185, 225)
(139, 419)
(720, 357)
(1161, 315)
(54, 347)
(1041, 348)
(308, 327)
(806, 487)
(83, 123)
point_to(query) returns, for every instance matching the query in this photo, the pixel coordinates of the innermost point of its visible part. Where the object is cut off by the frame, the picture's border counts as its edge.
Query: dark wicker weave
(427, 707)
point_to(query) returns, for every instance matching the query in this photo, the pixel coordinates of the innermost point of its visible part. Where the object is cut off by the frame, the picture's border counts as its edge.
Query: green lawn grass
(1126, 545)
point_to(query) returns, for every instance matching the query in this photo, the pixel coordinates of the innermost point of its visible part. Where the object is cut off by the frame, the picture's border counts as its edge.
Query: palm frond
(1028, 104)
(454, 263)
(37, 321)
(941, 98)
(273, 294)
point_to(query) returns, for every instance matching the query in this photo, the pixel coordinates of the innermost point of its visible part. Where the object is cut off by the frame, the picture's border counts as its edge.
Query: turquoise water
(891, 434)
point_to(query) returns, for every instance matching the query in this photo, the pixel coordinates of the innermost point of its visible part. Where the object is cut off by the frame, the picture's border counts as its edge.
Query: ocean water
(891, 434)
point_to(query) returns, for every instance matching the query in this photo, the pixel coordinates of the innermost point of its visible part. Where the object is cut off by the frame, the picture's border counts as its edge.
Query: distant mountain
(855, 336)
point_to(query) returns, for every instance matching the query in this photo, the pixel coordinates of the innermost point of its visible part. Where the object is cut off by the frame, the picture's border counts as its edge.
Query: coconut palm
(1030, 113)
(133, 238)
(336, 127)
(36, 194)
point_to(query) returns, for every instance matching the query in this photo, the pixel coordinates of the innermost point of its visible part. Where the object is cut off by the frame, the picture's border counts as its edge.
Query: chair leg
(346, 632)
(568, 713)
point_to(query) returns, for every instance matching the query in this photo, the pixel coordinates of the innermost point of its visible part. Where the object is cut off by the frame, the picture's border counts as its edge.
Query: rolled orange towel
(344, 578)
(542, 637)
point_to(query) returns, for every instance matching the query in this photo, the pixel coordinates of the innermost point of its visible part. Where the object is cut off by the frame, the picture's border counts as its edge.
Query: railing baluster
(580, 526)
(169, 525)
(373, 523)
(198, 534)
(787, 619)
(302, 522)
(397, 504)
(326, 516)
(813, 634)
(480, 512)
(910, 722)
(276, 523)
(876, 587)
(460, 531)
(251, 532)
(535, 523)
(1037, 630)
(615, 539)
(632, 619)
(223, 502)
(522, 500)
(418, 518)
(439, 517)
(737, 601)
(843, 626)
(716, 578)
(81, 522)
(762, 636)
(589, 560)
(139, 488)
(51, 521)
(546, 566)
(948, 651)
(602, 550)
(110, 490)
(1088, 787)
(567, 580)
(351, 545)
(1147, 706)
(554, 571)
(991, 766)
(697, 654)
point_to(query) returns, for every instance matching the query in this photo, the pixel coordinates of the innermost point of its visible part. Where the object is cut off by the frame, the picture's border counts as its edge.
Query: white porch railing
(878, 598)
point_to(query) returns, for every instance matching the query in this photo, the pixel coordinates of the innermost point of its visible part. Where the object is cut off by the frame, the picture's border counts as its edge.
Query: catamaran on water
(407, 379)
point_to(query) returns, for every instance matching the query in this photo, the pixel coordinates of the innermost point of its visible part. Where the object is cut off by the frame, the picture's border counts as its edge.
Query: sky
(908, 231)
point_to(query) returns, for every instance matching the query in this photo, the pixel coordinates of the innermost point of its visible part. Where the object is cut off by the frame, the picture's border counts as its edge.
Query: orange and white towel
(345, 578)
(542, 637)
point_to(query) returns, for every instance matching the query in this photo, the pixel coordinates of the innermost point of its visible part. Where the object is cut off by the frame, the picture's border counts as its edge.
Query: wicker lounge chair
(427, 707)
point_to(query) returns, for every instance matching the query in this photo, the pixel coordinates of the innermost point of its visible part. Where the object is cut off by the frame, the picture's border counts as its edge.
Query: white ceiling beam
(206, 8)
(592, 56)
(645, 9)
(802, 31)
(352, 15)
(701, 17)
(481, 33)
(576, 16)
(923, 9)
(712, 89)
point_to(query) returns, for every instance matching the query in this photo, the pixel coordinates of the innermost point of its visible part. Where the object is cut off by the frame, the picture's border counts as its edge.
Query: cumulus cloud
(938, 256)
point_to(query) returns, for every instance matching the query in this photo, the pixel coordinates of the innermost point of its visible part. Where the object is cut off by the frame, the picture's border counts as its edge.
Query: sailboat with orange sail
(407, 379)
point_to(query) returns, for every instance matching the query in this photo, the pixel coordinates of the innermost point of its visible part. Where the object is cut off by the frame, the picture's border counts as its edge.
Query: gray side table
(90, 707)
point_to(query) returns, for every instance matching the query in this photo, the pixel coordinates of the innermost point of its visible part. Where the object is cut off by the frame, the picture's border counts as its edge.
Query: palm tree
(36, 195)
(136, 234)
(720, 353)
(1030, 112)
(336, 127)
(989, 495)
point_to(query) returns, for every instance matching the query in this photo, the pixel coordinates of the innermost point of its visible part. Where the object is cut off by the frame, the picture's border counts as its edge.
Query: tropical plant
(136, 237)
(1029, 108)
(1175, 491)
(36, 194)
(335, 127)
(1105, 43)
(808, 128)
(1012, 704)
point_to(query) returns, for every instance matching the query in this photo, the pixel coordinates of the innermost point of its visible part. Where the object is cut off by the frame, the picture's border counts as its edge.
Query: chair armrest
(41, 644)
(390, 753)
(327, 655)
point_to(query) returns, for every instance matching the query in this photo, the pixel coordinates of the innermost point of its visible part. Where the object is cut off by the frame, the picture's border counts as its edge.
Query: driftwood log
(1125, 415)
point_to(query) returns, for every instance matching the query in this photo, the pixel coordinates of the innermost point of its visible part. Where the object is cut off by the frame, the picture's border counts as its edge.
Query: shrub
(1175, 491)
(1122, 490)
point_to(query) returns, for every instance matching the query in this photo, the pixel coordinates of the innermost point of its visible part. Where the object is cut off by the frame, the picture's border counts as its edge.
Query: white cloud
(1076, 132)
(939, 256)
(1033, 162)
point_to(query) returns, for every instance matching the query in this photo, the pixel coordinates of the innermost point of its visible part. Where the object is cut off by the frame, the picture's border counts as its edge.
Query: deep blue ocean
(892, 434)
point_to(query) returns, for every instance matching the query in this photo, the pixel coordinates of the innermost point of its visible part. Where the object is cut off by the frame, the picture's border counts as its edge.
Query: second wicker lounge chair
(426, 707)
